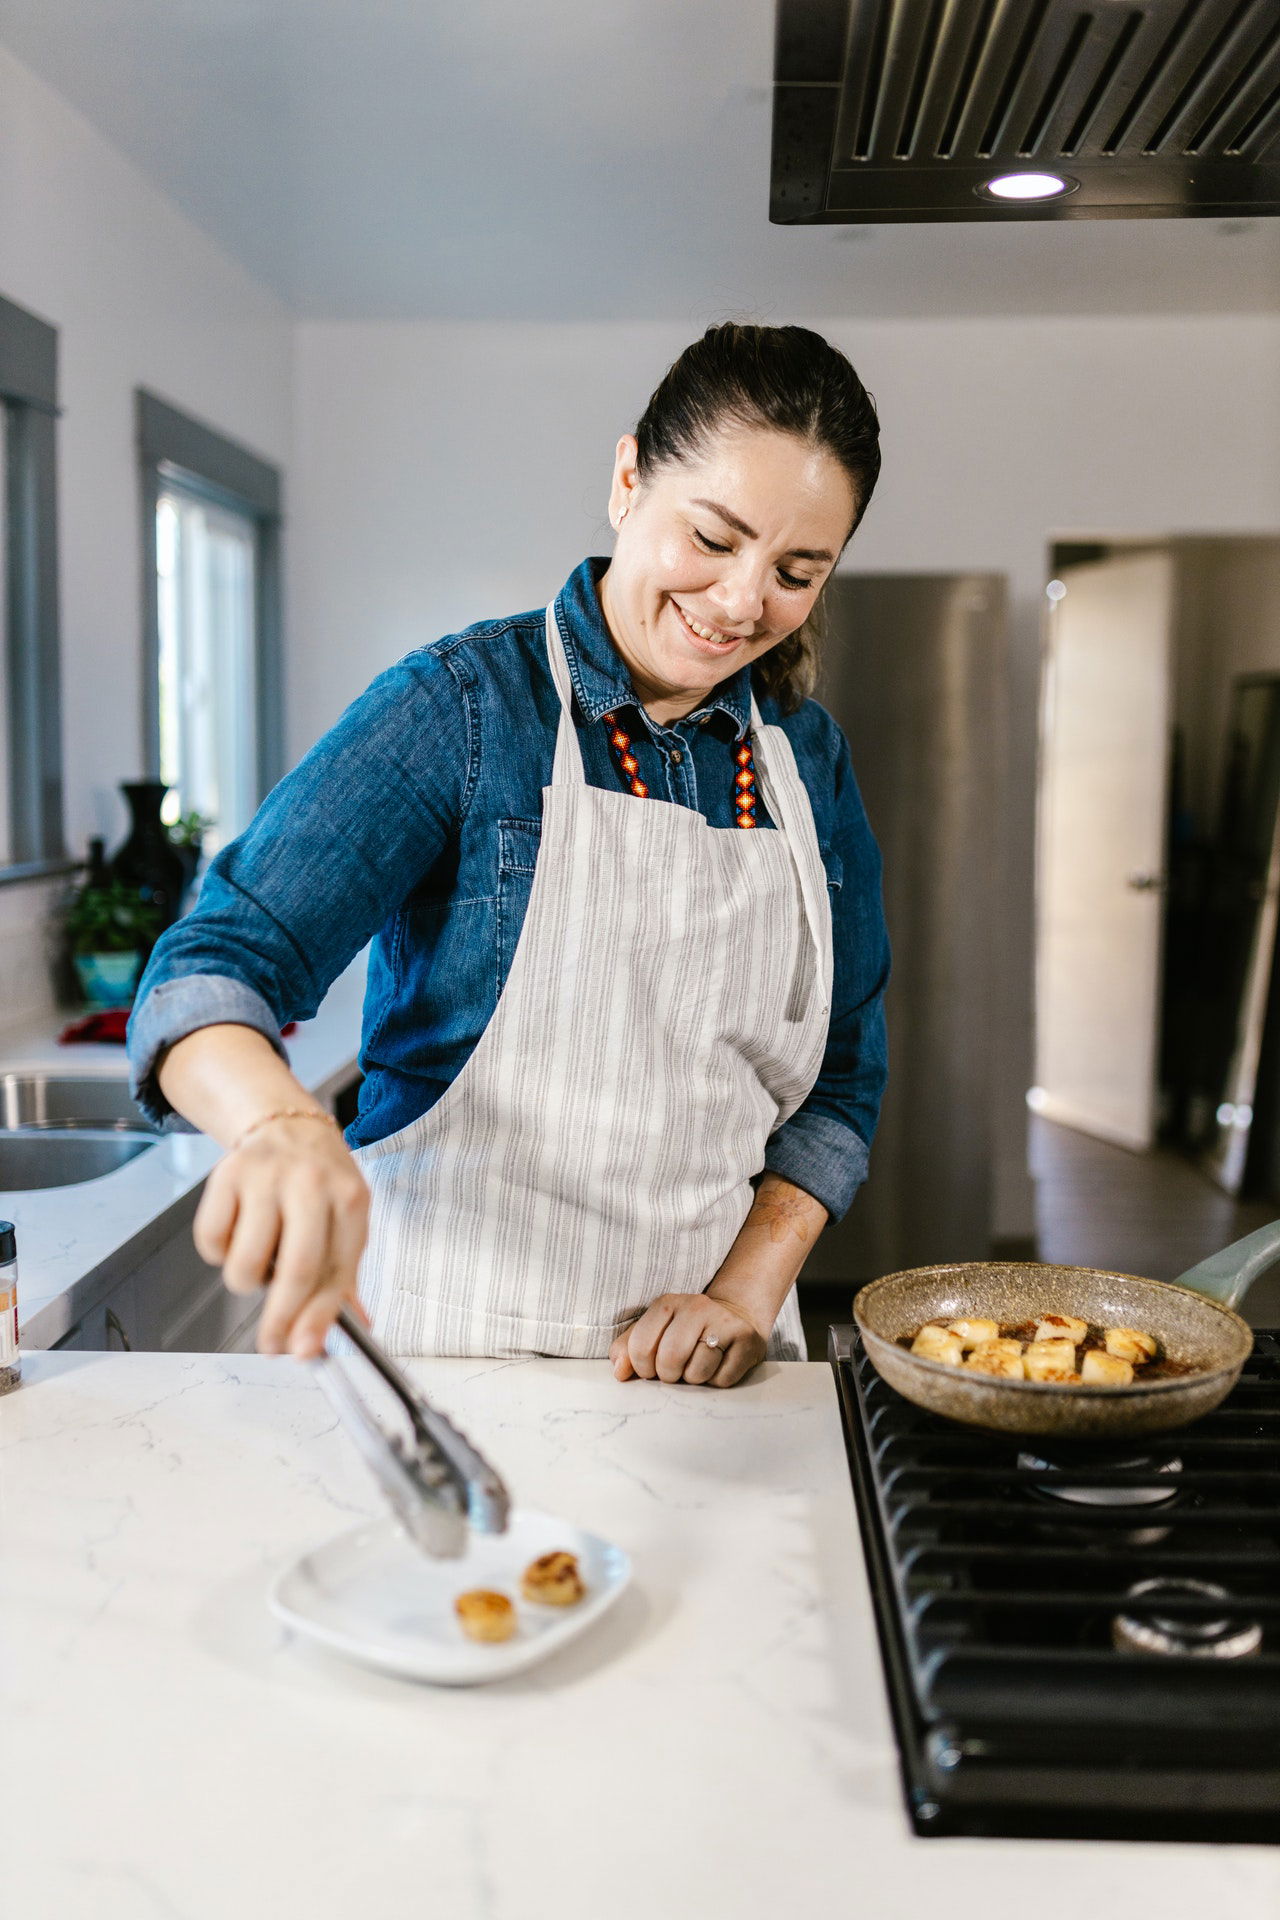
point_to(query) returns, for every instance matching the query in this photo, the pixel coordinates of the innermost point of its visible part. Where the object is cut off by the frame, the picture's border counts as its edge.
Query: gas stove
(1077, 1642)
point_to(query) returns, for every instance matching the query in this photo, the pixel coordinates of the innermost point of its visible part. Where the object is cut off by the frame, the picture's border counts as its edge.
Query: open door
(1104, 751)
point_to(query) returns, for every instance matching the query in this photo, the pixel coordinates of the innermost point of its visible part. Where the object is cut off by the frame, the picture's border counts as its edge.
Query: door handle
(1146, 882)
(116, 1326)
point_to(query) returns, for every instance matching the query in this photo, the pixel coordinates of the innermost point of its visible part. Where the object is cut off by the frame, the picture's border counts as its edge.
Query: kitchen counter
(718, 1745)
(74, 1241)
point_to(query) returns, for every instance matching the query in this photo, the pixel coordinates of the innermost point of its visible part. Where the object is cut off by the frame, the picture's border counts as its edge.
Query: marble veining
(718, 1745)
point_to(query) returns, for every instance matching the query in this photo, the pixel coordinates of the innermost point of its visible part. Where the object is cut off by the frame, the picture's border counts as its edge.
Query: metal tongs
(437, 1483)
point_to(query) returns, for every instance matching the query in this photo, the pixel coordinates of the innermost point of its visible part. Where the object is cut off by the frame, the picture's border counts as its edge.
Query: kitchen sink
(57, 1100)
(57, 1130)
(52, 1158)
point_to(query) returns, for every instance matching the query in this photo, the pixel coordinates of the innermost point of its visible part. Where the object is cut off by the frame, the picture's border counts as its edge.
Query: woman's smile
(706, 639)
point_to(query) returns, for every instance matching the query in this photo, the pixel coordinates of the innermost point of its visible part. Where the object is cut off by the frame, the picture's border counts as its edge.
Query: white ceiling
(552, 159)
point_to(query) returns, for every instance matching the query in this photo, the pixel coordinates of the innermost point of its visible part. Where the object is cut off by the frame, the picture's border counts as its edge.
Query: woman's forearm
(223, 1078)
(773, 1244)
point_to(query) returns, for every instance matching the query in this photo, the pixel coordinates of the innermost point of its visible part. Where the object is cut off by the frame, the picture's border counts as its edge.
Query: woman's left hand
(689, 1336)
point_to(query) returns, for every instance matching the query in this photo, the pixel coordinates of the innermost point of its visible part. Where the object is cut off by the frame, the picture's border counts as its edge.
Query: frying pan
(1192, 1317)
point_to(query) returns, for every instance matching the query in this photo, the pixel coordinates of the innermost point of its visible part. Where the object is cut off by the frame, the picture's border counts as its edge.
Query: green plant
(111, 919)
(188, 829)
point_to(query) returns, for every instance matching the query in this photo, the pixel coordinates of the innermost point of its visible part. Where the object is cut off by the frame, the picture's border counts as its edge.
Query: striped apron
(666, 1010)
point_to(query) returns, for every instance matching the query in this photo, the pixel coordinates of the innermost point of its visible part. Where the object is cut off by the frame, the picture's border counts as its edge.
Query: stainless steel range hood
(891, 110)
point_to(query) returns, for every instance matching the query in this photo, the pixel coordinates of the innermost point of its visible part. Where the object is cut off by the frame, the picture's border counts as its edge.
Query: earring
(626, 508)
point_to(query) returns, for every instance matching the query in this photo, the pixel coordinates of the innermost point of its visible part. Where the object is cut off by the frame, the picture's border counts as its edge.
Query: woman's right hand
(288, 1210)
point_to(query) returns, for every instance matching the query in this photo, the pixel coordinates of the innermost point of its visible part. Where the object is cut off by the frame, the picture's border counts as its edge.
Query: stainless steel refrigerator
(915, 675)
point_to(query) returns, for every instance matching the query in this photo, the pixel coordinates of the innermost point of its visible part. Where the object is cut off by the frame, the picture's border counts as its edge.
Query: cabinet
(170, 1303)
(106, 1327)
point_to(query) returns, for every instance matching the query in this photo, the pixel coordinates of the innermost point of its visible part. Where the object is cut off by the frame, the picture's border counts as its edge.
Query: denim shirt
(414, 824)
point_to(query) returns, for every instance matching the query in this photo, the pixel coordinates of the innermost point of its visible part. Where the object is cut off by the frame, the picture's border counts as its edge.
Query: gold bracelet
(284, 1113)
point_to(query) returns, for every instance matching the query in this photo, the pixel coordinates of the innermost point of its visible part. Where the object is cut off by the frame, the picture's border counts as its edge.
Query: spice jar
(10, 1363)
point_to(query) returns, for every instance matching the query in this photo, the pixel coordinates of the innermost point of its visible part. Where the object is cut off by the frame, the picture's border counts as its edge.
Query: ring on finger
(709, 1340)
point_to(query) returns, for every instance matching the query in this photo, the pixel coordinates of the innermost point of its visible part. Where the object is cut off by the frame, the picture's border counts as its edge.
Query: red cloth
(110, 1023)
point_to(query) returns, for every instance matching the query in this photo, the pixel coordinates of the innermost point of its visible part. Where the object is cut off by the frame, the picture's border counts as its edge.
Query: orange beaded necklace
(744, 780)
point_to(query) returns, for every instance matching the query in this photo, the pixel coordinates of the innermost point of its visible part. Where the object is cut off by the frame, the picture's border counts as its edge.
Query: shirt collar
(601, 682)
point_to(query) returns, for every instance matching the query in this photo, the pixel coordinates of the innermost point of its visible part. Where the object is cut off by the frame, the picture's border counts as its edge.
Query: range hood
(891, 110)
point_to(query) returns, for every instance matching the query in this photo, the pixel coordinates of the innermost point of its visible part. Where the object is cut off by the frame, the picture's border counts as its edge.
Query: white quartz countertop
(69, 1237)
(718, 1745)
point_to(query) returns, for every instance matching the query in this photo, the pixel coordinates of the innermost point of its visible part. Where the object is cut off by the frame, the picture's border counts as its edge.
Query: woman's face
(719, 557)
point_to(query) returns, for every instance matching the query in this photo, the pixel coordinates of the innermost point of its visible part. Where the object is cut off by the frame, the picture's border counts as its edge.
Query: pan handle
(1227, 1276)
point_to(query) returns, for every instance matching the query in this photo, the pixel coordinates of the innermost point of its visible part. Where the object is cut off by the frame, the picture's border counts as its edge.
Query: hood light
(1028, 186)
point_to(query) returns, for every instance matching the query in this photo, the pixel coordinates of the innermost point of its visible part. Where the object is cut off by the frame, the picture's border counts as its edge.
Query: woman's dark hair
(782, 377)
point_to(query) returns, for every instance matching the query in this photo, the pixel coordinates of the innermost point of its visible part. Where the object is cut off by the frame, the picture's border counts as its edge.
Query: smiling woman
(622, 1060)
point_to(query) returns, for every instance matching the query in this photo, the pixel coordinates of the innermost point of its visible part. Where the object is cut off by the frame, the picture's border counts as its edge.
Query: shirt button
(676, 756)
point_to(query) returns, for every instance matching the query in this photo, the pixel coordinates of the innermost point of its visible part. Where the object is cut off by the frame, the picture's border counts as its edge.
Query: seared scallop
(1105, 1370)
(1044, 1358)
(974, 1333)
(938, 1343)
(485, 1615)
(553, 1580)
(1001, 1357)
(1062, 1326)
(1127, 1343)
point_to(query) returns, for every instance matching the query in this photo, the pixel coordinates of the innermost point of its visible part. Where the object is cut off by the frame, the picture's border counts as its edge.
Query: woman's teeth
(707, 633)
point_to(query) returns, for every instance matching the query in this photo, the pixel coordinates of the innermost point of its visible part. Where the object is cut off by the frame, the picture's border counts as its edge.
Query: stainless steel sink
(57, 1130)
(53, 1159)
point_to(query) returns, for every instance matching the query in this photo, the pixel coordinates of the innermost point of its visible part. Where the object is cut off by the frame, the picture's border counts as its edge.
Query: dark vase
(189, 854)
(148, 860)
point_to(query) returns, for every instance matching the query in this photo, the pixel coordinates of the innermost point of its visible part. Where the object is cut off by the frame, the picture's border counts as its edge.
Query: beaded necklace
(744, 780)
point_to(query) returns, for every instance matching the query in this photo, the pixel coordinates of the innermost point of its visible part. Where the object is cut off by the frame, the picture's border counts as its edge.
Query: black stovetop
(1020, 1707)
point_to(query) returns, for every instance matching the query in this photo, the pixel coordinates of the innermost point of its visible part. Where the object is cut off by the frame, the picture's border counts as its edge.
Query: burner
(1105, 1496)
(1149, 1631)
(1113, 1497)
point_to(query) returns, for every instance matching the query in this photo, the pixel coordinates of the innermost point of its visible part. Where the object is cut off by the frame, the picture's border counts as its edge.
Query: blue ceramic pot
(108, 979)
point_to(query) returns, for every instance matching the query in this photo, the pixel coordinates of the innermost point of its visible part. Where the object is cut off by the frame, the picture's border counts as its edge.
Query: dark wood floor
(1100, 1206)
(1154, 1213)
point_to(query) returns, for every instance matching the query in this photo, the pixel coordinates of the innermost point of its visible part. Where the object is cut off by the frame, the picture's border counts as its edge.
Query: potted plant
(109, 930)
(186, 834)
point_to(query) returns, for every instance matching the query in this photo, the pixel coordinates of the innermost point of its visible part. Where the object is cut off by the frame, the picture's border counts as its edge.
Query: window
(30, 734)
(6, 805)
(211, 529)
(206, 584)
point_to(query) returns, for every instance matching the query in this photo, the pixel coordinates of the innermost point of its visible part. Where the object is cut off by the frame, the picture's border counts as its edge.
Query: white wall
(448, 473)
(140, 297)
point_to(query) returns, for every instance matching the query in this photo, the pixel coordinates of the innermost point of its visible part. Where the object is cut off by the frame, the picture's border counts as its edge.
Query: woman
(623, 1039)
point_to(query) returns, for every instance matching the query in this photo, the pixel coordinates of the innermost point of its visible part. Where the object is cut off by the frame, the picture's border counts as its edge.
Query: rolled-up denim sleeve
(175, 1008)
(825, 1146)
(329, 856)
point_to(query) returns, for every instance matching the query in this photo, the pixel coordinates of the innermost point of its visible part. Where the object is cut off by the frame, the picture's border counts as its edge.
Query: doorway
(1158, 876)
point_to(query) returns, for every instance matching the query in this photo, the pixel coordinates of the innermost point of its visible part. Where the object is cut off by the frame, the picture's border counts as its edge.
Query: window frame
(176, 449)
(32, 668)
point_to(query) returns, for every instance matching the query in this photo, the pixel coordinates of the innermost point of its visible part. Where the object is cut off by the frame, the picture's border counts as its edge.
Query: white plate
(372, 1595)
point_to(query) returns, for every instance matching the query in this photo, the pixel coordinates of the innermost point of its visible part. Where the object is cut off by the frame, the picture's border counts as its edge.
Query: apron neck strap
(567, 770)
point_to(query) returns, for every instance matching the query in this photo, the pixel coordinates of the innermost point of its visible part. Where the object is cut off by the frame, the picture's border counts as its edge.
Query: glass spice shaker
(10, 1362)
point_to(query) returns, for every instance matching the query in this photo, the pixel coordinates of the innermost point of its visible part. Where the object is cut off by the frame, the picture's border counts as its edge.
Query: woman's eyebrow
(740, 526)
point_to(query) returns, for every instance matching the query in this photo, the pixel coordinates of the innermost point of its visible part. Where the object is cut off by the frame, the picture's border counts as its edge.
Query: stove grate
(997, 1606)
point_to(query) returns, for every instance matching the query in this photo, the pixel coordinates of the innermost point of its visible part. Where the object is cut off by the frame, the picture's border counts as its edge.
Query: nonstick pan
(1192, 1318)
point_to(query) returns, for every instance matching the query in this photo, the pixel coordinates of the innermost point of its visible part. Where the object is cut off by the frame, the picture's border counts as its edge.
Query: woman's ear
(626, 478)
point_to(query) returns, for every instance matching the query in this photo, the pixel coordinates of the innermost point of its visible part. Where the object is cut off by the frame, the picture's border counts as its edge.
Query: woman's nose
(740, 596)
